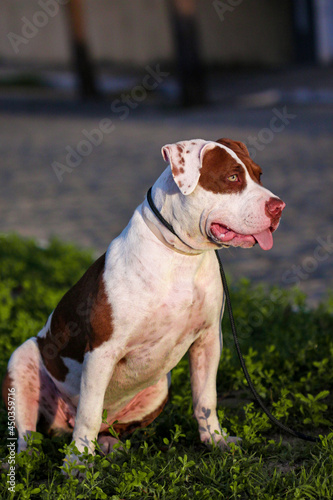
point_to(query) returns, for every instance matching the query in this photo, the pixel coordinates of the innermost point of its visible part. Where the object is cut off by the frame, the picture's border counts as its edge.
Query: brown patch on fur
(175, 170)
(81, 322)
(241, 151)
(129, 427)
(178, 170)
(7, 383)
(217, 166)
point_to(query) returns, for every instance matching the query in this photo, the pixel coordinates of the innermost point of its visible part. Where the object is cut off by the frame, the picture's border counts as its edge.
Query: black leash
(246, 373)
(234, 333)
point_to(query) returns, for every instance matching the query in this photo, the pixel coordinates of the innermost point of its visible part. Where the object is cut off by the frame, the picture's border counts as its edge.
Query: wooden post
(186, 42)
(81, 57)
(304, 30)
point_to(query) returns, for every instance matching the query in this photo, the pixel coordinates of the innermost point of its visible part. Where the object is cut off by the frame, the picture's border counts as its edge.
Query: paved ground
(95, 200)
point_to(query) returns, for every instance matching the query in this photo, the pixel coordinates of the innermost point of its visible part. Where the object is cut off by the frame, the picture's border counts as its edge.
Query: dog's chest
(160, 339)
(161, 303)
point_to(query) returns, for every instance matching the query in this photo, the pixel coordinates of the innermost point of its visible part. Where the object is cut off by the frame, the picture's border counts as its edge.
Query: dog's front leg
(204, 355)
(97, 370)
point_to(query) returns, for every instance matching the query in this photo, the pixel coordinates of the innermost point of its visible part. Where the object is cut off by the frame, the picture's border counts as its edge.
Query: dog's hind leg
(21, 389)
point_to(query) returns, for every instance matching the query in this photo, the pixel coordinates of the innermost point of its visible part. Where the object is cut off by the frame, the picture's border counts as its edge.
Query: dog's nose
(274, 207)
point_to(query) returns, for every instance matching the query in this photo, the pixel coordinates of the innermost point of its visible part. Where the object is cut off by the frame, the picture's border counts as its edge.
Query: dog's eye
(233, 178)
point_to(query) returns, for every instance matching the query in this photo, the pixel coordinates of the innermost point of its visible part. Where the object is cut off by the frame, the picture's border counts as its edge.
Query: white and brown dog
(114, 337)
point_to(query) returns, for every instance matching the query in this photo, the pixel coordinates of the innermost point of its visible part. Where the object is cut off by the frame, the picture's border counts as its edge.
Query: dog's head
(220, 186)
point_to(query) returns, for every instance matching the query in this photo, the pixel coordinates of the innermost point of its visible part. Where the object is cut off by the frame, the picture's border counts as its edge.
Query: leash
(246, 373)
(271, 417)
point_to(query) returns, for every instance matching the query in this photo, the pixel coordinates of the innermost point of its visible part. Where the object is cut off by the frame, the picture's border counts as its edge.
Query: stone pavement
(284, 117)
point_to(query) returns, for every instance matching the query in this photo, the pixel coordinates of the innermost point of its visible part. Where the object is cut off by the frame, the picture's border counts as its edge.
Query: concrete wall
(138, 31)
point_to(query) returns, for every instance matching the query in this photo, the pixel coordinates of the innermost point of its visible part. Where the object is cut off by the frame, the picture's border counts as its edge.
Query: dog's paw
(222, 441)
(107, 443)
(75, 466)
(4, 466)
(234, 439)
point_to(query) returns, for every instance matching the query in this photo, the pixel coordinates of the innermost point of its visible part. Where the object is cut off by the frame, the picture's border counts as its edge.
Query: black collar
(168, 225)
(159, 215)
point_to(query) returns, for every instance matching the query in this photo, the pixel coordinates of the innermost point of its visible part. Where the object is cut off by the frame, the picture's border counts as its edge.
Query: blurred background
(90, 90)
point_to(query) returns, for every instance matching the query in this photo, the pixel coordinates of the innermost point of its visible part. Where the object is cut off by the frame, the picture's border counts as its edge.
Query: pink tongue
(265, 239)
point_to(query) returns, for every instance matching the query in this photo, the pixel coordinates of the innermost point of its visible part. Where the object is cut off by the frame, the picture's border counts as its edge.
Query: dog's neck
(162, 229)
(164, 235)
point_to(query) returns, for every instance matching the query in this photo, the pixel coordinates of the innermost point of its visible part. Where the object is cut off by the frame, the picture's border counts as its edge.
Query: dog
(113, 339)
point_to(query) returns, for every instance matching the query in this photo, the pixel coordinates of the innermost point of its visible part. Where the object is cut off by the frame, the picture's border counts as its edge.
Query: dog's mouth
(222, 234)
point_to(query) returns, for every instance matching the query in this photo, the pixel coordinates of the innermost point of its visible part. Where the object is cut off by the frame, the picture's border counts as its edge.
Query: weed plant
(288, 349)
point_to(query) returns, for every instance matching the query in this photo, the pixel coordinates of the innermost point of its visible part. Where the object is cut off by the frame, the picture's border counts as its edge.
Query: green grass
(289, 352)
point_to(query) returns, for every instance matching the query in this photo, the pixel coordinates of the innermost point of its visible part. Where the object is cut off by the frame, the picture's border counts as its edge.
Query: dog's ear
(185, 159)
(234, 145)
